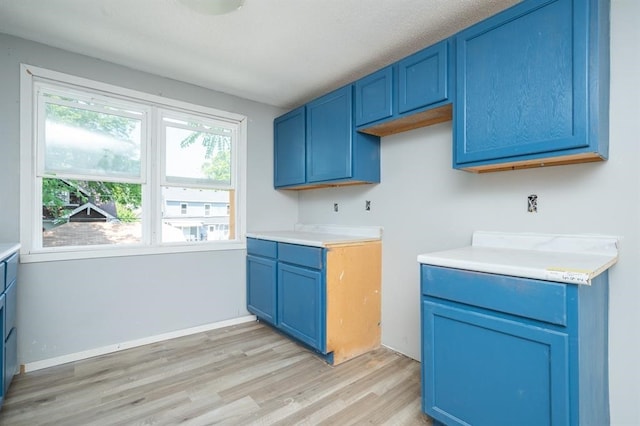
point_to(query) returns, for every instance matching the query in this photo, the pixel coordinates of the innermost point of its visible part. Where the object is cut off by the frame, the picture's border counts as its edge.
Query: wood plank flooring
(242, 375)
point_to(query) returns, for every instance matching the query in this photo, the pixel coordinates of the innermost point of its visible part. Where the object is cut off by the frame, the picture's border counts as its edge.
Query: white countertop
(321, 235)
(8, 248)
(562, 258)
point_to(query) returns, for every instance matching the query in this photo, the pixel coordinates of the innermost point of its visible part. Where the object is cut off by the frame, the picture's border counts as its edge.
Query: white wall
(74, 306)
(424, 205)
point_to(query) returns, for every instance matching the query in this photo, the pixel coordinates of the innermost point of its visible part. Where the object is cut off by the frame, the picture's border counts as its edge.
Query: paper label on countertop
(562, 275)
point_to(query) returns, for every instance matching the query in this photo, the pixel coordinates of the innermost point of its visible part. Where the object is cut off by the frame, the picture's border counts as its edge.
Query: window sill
(78, 253)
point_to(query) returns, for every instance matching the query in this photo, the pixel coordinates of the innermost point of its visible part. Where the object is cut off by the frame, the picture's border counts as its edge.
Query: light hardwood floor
(242, 375)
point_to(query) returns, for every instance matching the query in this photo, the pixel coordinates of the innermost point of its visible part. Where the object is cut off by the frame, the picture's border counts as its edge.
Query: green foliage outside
(109, 124)
(127, 197)
(218, 152)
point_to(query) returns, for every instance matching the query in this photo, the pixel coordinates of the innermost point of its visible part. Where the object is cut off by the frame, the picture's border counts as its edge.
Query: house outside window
(92, 183)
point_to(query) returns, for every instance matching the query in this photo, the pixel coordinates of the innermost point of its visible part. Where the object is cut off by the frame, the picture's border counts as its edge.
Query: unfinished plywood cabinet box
(325, 297)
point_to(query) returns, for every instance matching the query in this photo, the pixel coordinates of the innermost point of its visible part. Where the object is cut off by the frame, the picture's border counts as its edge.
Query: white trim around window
(153, 176)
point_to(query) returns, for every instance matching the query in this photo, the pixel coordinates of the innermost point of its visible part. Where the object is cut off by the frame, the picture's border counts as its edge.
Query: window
(113, 171)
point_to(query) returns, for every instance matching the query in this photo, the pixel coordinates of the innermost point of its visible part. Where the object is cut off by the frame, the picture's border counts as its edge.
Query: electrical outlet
(367, 205)
(335, 207)
(532, 203)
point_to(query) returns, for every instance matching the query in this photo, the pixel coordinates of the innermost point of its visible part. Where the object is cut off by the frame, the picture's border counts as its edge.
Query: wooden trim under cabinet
(412, 121)
(588, 157)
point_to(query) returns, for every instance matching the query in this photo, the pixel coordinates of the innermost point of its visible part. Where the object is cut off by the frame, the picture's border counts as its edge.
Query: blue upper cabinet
(532, 86)
(290, 148)
(422, 78)
(329, 152)
(329, 126)
(414, 92)
(374, 96)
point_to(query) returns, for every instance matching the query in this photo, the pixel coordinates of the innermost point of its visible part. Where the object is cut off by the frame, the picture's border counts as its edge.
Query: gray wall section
(424, 205)
(73, 306)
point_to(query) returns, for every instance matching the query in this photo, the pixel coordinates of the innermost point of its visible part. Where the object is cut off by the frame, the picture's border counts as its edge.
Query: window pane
(197, 153)
(84, 142)
(198, 222)
(81, 213)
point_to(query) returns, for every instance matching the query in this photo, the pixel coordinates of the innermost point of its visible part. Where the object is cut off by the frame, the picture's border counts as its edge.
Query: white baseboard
(77, 356)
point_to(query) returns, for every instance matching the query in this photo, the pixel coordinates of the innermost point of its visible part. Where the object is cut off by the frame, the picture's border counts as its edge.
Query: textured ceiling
(280, 52)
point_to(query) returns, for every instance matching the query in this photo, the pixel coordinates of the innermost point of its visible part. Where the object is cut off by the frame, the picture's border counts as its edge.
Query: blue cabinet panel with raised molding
(423, 77)
(301, 304)
(503, 350)
(261, 279)
(261, 287)
(489, 370)
(290, 148)
(329, 126)
(532, 86)
(374, 96)
(10, 358)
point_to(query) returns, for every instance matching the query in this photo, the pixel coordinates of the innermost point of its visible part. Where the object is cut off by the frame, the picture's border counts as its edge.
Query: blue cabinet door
(10, 308)
(422, 77)
(531, 84)
(10, 358)
(261, 287)
(289, 141)
(329, 136)
(486, 370)
(301, 304)
(374, 96)
(2, 352)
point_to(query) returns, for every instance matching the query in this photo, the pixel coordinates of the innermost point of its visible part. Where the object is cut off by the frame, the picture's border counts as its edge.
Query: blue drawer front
(263, 248)
(3, 268)
(535, 299)
(12, 268)
(310, 257)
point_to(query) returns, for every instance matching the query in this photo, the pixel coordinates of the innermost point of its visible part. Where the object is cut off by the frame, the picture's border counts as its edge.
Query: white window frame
(31, 203)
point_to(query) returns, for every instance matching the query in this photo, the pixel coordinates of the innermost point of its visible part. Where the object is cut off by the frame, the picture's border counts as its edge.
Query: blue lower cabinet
(492, 371)
(261, 279)
(286, 288)
(8, 311)
(303, 291)
(10, 358)
(261, 287)
(497, 362)
(301, 304)
(3, 375)
(11, 301)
